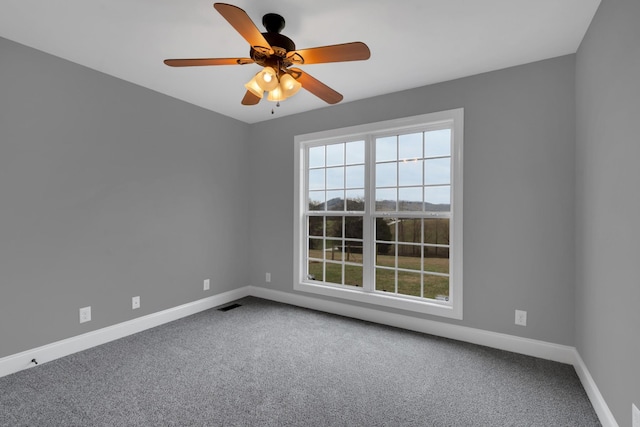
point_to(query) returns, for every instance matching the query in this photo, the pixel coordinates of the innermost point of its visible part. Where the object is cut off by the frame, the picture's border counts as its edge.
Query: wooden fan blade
(316, 87)
(239, 20)
(356, 51)
(197, 62)
(250, 99)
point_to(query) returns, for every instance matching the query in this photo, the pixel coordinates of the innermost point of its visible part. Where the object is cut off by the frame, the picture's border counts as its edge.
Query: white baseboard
(530, 347)
(602, 409)
(46, 353)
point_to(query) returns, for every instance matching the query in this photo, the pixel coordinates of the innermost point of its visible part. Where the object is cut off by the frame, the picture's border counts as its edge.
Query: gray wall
(108, 191)
(518, 200)
(608, 204)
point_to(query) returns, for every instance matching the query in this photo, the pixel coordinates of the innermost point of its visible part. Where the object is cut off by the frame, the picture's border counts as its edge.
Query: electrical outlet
(207, 284)
(267, 277)
(85, 314)
(521, 317)
(135, 303)
(635, 416)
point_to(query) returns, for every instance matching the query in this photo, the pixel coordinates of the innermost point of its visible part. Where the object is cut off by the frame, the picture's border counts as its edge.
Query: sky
(411, 167)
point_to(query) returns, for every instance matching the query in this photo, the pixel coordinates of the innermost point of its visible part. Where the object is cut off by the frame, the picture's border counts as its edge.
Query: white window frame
(451, 308)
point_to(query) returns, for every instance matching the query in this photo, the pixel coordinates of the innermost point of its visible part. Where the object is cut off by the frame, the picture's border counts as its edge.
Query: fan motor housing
(280, 43)
(279, 40)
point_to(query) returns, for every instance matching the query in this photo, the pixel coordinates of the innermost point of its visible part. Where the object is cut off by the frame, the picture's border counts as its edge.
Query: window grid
(424, 266)
(330, 256)
(419, 249)
(318, 196)
(392, 157)
(335, 254)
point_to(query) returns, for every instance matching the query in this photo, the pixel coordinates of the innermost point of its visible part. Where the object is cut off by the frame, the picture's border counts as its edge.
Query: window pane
(355, 200)
(335, 200)
(316, 245)
(436, 287)
(334, 226)
(335, 177)
(387, 259)
(316, 200)
(353, 227)
(385, 228)
(437, 252)
(409, 283)
(409, 230)
(410, 199)
(334, 250)
(386, 174)
(333, 273)
(335, 154)
(316, 179)
(410, 172)
(437, 171)
(437, 143)
(353, 275)
(353, 251)
(385, 280)
(410, 146)
(316, 156)
(383, 249)
(385, 231)
(410, 257)
(437, 199)
(315, 226)
(314, 271)
(355, 152)
(355, 176)
(386, 199)
(436, 260)
(316, 248)
(386, 149)
(436, 231)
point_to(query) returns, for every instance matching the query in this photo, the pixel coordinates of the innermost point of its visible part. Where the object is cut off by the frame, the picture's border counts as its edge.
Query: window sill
(387, 300)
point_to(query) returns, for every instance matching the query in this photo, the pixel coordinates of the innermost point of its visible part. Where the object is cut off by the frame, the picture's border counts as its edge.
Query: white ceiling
(413, 42)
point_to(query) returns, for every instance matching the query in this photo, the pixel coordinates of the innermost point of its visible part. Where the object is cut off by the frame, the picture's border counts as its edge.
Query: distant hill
(337, 204)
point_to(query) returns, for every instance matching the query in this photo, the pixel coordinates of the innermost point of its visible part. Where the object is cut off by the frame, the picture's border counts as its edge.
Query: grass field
(408, 283)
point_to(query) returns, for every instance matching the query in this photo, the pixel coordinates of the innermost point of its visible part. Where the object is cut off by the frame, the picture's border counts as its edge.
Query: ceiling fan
(277, 55)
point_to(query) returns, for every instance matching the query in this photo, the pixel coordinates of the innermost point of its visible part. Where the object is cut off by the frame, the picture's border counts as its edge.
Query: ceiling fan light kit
(267, 79)
(276, 54)
(253, 87)
(289, 85)
(276, 95)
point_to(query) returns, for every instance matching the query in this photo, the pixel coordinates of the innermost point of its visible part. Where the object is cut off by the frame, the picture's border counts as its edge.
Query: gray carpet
(270, 364)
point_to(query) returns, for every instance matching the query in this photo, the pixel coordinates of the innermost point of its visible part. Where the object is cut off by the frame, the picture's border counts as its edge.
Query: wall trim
(46, 353)
(597, 400)
(529, 347)
(526, 346)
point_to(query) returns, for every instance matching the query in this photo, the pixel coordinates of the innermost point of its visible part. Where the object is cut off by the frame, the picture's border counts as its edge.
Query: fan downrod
(273, 22)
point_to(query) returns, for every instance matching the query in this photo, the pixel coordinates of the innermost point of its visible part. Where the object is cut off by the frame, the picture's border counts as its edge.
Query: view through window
(379, 216)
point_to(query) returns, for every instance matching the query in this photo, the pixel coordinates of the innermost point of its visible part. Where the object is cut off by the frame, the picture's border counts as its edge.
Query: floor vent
(230, 307)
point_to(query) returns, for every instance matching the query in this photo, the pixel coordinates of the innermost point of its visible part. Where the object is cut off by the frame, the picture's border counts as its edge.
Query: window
(378, 213)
